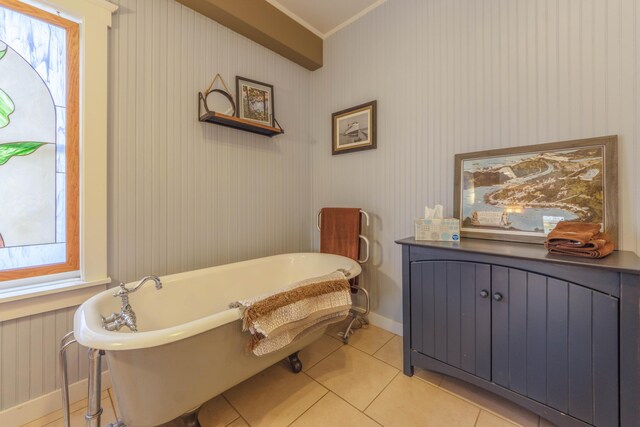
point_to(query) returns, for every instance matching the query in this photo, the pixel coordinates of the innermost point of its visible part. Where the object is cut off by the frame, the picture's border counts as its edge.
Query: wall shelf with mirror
(217, 106)
(238, 123)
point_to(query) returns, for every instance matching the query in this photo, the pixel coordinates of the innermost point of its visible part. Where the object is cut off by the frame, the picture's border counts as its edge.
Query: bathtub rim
(89, 332)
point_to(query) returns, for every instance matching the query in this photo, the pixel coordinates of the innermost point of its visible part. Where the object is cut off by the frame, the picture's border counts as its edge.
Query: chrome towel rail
(358, 314)
(363, 238)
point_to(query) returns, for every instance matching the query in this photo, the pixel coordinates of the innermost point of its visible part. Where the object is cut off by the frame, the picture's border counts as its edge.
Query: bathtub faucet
(127, 317)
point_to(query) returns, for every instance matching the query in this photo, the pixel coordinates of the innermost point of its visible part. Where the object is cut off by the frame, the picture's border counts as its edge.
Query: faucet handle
(122, 291)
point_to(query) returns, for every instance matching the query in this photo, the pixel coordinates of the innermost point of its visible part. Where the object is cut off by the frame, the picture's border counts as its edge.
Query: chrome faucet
(127, 317)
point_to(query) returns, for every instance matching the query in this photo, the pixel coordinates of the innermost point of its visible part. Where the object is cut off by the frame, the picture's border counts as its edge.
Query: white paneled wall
(454, 76)
(29, 356)
(183, 194)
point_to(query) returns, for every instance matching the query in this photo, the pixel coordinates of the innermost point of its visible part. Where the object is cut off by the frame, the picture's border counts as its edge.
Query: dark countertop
(622, 261)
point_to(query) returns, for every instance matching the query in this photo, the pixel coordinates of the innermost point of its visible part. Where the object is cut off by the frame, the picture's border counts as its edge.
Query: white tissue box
(445, 230)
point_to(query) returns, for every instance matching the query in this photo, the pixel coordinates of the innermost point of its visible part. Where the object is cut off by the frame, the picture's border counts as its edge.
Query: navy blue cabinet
(557, 336)
(557, 343)
(456, 323)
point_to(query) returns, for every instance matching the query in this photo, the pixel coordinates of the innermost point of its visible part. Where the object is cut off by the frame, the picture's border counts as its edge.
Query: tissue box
(446, 230)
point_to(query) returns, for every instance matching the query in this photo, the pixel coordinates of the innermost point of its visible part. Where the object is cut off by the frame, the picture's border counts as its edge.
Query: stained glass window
(34, 156)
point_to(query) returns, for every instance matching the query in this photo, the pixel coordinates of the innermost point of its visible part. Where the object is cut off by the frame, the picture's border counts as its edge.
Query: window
(39, 138)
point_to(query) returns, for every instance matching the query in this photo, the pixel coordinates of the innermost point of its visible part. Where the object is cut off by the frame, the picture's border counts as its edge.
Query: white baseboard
(46, 404)
(385, 323)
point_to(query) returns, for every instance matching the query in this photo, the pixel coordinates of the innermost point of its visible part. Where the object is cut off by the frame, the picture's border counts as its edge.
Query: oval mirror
(221, 102)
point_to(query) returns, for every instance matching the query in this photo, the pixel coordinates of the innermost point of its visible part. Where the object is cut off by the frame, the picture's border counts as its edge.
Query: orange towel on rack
(339, 231)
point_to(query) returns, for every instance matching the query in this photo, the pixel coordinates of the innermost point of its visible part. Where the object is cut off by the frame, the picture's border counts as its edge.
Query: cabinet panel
(536, 337)
(556, 342)
(500, 328)
(451, 322)
(605, 361)
(557, 350)
(580, 374)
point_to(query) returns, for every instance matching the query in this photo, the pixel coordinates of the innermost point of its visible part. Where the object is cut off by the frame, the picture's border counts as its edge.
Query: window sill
(21, 302)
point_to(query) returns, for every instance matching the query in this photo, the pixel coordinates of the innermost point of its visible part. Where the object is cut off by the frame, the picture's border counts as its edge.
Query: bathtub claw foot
(190, 419)
(296, 364)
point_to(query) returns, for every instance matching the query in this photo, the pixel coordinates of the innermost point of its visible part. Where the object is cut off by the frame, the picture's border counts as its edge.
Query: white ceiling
(325, 17)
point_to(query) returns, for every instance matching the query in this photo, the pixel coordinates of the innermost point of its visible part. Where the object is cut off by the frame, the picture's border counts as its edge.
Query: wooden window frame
(71, 28)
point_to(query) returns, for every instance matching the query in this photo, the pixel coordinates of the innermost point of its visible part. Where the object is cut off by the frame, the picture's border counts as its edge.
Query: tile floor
(360, 384)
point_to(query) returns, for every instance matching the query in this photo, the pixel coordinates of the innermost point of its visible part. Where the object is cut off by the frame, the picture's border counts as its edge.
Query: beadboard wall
(453, 76)
(182, 194)
(29, 356)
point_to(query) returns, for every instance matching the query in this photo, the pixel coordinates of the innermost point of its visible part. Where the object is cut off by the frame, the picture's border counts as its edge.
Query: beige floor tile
(275, 396)
(490, 401)
(335, 412)
(408, 402)
(81, 404)
(77, 417)
(238, 423)
(318, 350)
(217, 413)
(353, 375)
(370, 338)
(487, 419)
(428, 376)
(391, 352)
(333, 330)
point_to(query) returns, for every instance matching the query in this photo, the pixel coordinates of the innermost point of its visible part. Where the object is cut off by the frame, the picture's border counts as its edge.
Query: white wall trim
(32, 304)
(385, 323)
(296, 18)
(314, 30)
(353, 19)
(48, 403)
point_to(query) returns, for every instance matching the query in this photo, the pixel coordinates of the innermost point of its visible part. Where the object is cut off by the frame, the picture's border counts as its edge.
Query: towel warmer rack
(357, 313)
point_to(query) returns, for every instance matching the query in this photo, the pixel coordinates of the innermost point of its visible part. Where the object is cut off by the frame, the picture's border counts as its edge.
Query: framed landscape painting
(520, 194)
(254, 101)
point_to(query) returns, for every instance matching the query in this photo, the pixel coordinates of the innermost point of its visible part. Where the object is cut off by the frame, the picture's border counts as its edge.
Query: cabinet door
(557, 343)
(451, 314)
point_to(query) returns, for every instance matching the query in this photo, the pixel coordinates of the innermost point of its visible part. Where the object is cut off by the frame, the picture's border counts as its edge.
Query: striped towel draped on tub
(277, 319)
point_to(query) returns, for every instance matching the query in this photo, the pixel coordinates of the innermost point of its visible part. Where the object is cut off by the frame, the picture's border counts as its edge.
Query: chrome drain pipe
(66, 341)
(94, 408)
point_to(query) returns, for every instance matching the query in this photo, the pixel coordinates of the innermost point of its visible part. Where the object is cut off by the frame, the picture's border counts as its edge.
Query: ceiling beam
(264, 24)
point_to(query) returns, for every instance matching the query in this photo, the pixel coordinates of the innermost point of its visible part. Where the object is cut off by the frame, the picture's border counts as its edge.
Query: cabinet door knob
(498, 296)
(484, 293)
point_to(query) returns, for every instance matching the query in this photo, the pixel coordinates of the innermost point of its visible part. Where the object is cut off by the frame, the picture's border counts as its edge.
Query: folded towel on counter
(277, 319)
(573, 233)
(579, 239)
(592, 253)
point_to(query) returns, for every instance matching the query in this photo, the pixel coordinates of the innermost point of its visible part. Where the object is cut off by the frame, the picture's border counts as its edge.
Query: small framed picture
(354, 129)
(254, 101)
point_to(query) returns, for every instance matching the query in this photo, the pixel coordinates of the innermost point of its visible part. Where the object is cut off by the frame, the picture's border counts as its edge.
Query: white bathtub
(189, 346)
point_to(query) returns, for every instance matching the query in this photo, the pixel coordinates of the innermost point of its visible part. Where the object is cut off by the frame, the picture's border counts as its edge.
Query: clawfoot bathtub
(189, 346)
